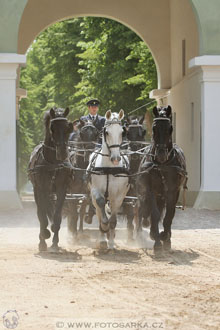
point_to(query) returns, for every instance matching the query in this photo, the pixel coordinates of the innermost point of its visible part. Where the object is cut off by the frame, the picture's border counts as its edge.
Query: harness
(108, 123)
(173, 154)
(115, 171)
(38, 156)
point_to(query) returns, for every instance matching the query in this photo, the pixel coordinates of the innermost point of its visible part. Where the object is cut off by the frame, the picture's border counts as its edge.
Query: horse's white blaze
(114, 137)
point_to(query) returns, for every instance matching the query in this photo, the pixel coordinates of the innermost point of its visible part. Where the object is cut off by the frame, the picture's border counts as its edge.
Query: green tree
(74, 60)
(111, 66)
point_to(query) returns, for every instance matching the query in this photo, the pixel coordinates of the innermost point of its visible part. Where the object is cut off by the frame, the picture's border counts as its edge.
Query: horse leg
(102, 241)
(111, 233)
(128, 210)
(99, 201)
(154, 229)
(57, 219)
(165, 235)
(141, 215)
(91, 212)
(43, 219)
(72, 219)
(82, 215)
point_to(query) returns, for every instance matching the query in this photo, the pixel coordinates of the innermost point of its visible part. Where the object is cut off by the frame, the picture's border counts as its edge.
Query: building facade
(184, 38)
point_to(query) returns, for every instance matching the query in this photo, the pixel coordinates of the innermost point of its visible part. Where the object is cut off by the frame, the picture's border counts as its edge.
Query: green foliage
(75, 60)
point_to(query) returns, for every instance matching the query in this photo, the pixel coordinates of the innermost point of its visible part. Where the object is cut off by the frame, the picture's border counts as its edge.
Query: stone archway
(138, 18)
(174, 31)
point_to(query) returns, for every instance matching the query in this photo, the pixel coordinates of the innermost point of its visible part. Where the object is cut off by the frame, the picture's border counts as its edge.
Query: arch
(151, 24)
(207, 17)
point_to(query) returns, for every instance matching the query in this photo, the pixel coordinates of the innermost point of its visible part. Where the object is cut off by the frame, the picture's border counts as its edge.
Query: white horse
(110, 185)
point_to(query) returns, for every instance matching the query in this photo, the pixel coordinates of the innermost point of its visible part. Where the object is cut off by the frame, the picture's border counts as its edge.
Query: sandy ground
(128, 288)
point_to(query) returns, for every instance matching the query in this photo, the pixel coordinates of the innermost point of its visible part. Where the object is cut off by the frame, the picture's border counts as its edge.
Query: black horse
(83, 145)
(50, 173)
(162, 173)
(135, 134)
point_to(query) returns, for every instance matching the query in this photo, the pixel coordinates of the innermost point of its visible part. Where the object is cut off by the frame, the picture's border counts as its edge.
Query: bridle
(112, 122)
(85, 127)
(52, 139)
(135, 144)
(162, 146)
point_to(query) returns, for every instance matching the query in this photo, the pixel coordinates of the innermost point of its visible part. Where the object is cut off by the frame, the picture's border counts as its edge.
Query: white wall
(8, 72)
(186, 103)
(184, 94)
(182, 27)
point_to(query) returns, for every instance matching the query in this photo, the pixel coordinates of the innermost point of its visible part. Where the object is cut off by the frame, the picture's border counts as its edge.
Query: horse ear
(141, 120)
(155, 112)
(168, 111)
(52, 113)
(66, 112)
(121, 114)
(108, 114)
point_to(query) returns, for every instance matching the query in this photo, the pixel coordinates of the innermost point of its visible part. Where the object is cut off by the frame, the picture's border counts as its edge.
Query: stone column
(8, 191)
(209, 194)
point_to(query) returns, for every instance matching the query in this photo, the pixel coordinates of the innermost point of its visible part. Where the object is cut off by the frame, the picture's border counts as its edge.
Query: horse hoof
(167, 245)
(42, 246)
(164, 236)
(111, 245)
(103, 245)
(145, 223)
(158, 248)
(54, 249)
(74, 237)
(152, 236)
(88, 220)
(104, 227)
(45, 234)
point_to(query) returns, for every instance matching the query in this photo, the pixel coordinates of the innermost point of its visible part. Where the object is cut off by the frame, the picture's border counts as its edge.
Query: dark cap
(92, 102)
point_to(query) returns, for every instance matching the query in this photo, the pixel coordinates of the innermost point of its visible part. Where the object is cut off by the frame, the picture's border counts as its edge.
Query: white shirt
(93, 117)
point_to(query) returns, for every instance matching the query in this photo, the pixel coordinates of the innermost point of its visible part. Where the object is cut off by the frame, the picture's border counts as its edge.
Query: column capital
(209, 66)
(206, 60)
(12, 58)
(9, 62)
(159, 95)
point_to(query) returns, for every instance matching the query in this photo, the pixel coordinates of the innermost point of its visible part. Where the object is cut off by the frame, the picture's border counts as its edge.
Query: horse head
(163, 112)
(112, 134)
(88, 131)
(58, 130)
(135, 131)
(162, 135)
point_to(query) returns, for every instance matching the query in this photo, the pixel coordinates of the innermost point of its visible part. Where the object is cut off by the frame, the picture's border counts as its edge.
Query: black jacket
(98, 123)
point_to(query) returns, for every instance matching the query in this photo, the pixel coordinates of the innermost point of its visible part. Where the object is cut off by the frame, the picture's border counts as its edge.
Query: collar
(95, 116)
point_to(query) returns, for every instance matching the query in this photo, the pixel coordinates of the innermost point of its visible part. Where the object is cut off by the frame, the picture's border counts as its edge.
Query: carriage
(85, 175)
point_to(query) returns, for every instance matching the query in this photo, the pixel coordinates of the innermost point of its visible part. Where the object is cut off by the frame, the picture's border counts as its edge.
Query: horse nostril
(119, 158)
